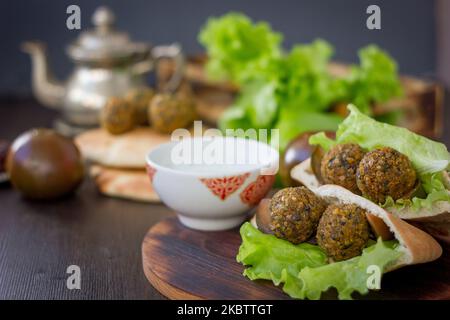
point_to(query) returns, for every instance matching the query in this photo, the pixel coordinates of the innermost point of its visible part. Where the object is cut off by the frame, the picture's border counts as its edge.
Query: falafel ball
(343, 231)
(385, 172)
(140, 99)
(117, 116)
(295, 213)
(169, 112)
(339, 165)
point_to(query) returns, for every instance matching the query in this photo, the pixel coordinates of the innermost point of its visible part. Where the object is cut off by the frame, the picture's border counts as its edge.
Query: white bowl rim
(274, 158)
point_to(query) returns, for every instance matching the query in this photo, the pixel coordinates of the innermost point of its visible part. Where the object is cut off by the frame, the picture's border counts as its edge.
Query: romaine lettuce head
(429, 158)
(303, 268)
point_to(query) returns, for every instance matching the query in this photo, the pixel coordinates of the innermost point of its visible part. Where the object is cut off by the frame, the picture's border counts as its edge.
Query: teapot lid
(104, 44)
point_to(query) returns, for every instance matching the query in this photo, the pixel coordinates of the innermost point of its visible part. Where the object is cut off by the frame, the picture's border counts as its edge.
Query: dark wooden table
(39, 240)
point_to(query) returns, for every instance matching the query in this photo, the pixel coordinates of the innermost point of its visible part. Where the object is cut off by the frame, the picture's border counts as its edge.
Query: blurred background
(414, 32)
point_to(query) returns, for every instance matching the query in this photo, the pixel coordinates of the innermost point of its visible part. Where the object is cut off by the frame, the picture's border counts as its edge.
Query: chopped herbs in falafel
(343, 231)
(385, 172)
(339, 165)
(295, 213)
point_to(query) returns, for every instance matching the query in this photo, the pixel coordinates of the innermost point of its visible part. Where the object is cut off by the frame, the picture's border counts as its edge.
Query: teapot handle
(175, 53)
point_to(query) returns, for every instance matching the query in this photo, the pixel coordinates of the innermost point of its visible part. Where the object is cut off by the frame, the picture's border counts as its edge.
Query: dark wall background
(408, 28)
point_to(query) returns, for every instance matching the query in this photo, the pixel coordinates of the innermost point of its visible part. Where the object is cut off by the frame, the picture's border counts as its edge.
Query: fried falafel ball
(385, 172)
(169, 112)
(343, 231)
(140, 99)
(117, 116)
(295, 213)
(339, 165)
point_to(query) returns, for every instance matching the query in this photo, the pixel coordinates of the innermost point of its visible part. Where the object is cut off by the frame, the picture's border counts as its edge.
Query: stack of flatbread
(118, 161)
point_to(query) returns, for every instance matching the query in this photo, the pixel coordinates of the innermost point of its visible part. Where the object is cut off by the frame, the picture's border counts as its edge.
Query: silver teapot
(108, 64)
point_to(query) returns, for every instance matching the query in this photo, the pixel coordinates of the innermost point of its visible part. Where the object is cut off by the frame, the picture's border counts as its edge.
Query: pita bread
(435, 220)
(303, 173)
(417, 246)
(121, 183)
(127, 150)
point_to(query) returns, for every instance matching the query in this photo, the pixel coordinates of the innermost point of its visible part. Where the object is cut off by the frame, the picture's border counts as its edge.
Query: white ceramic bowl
(210, 194)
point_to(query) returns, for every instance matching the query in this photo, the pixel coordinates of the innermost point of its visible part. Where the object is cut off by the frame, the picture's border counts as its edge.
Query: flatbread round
(127, 150)
(126, 184)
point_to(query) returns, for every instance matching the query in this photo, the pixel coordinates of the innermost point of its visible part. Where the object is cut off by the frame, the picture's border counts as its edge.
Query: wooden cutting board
(187, 264)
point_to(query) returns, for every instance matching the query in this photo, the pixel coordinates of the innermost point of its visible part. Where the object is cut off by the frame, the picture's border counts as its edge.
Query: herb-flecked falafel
(140, 99)
(385, 172)
(343, 231)
(117, 116)
(169, 112)
(339, 165)
(295, 213)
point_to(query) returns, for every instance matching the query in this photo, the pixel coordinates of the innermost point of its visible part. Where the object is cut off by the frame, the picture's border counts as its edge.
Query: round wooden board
(182, 263)
(187, 264)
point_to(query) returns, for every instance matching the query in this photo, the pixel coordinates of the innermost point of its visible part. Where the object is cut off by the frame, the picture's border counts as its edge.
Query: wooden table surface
(39, 240)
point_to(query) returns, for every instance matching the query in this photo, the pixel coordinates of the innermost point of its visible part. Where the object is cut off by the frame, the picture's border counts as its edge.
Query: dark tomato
(43, 164)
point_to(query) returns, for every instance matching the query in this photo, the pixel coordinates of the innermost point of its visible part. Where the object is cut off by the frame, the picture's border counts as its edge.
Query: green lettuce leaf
(236, 45)
(233, 118)
(428, 157)
(260, 103)
(302, 269)
(255, 108)
(347, 276)
(435, 189)
(374, 80)
(292, 122)
(289, 90)
(270, 258)
(307, 84)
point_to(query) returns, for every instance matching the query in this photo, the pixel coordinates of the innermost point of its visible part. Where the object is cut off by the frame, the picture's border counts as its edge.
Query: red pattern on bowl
(224, 187)
(151, 172)
(257, 190)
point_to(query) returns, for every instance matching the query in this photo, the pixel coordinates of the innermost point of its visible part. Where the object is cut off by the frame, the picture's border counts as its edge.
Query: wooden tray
(187, 264)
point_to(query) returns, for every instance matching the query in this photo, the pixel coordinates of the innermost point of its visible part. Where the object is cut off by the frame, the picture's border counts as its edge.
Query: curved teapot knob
(103, 18)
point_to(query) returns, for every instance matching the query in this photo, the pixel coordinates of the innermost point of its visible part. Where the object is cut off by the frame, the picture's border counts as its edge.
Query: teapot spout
(46, 89)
